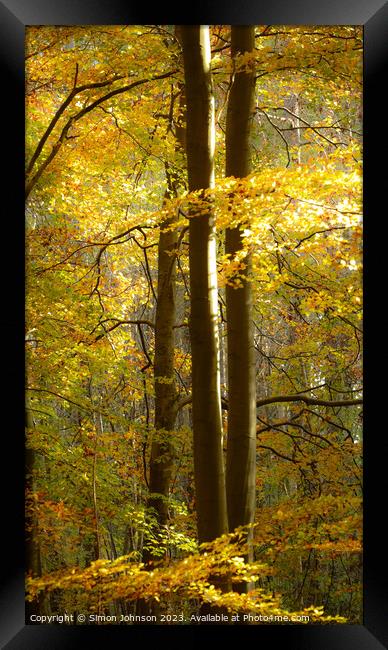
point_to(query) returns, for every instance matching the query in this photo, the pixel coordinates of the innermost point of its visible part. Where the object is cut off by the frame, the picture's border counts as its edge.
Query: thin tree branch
(74, 118)
(277, 453)
(285, 398)
(66, 399)
(307, 400)
(143, 345)
(75, 91)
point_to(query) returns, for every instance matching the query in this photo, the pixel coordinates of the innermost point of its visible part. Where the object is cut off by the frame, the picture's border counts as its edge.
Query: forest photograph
(193, 343)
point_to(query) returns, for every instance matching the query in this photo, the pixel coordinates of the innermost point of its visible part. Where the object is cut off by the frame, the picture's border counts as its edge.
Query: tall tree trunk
(165, 391)
(206, 400)
(162, 450)
(241, 447)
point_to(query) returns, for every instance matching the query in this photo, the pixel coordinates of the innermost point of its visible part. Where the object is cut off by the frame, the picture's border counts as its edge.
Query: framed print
(183, 306)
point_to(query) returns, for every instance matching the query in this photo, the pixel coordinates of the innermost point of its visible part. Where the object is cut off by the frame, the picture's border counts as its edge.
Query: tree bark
(162, 450)
(165, 391)
(209, 473)
(241, 445)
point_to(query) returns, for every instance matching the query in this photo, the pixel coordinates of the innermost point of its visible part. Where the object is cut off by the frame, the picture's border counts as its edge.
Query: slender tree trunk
(33, 551)
(97, 432)
(165, 391)
(241, 447)
(162, 450)
(33, 559)
(206, 403)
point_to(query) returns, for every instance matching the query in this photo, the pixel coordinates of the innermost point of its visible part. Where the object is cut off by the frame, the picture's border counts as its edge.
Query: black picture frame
(15, 15)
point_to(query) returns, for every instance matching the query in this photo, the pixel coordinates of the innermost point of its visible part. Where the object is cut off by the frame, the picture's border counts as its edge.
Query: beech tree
(241, 449)
(206, 394)
(162, 451)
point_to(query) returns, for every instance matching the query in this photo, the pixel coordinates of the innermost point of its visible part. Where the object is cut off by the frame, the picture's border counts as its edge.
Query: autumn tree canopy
(193, 321)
